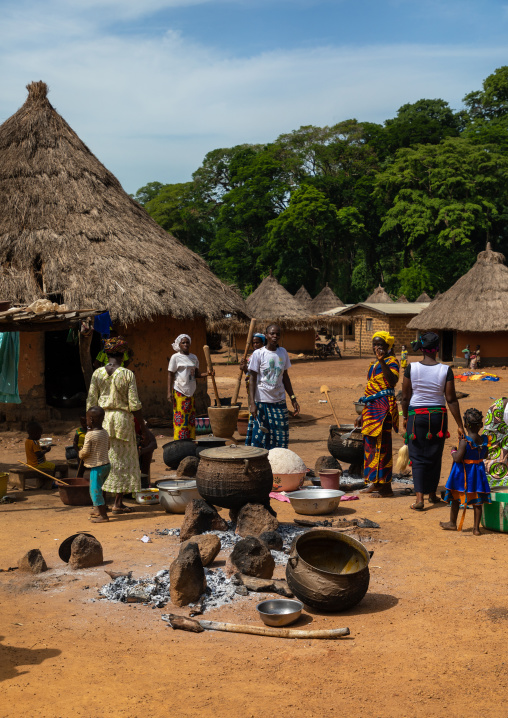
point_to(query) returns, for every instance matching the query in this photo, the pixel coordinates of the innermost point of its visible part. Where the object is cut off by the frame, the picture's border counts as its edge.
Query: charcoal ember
(272, 539)
(188, 466)
(32, 562)
(255, 519)
(187, 577)
(86, 551)
(209, 546)
(220, 589)
(325, 462)
(253, 558)
(200, 517)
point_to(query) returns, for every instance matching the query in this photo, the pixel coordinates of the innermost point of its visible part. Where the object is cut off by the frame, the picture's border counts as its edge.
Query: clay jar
(330, 478)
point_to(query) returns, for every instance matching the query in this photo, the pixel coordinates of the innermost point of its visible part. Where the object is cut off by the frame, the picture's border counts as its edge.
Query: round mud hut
(70, 233)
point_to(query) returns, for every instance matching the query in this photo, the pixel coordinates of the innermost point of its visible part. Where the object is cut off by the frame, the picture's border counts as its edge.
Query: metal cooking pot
(232, 476)
(349, 450)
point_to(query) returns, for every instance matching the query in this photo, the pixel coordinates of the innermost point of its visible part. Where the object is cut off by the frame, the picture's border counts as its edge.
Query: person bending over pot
(269, 383)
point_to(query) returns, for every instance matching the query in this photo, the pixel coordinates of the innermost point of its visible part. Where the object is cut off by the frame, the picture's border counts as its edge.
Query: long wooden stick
(274, 632)
(42, 472)
(252, 326)
(325, 390)
(206, 350)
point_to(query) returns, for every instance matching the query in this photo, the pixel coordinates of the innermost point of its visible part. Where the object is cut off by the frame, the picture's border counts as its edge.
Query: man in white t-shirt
(269, 382)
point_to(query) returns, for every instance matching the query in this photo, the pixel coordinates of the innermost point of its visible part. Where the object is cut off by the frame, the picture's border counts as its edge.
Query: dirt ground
(429, 638)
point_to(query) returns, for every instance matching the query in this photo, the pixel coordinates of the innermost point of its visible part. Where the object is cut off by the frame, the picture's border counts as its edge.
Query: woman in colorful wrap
(426, 389)
(269, 382)
(379, 416)
(113, 388)
(496, 428)
(183, 370)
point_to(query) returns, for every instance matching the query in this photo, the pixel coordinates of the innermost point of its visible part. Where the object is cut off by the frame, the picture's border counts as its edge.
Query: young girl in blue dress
(467, 484)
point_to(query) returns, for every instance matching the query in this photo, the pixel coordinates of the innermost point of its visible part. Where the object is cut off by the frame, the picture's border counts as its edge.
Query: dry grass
(402, 299)
(69, 231)
(476, 303)
(424, 297)
(303, 297)
(325, 300)
(379, 296)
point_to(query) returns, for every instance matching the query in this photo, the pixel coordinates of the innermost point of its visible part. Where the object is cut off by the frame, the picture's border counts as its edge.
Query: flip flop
(417, 506)
(124, 510)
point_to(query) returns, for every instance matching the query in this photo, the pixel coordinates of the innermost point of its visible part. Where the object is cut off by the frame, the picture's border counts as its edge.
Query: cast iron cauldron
(328, 570)
(232, 476)
(350, 450)
(175, 451)
(209, 442)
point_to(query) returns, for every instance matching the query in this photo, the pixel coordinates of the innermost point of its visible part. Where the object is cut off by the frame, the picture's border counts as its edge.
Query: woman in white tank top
(426, 389)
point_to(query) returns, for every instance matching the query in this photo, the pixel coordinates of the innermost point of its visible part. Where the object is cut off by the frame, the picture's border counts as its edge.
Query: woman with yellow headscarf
(379, 416)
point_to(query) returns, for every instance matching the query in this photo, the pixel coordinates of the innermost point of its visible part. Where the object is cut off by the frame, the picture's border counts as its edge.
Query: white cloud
(151, 107)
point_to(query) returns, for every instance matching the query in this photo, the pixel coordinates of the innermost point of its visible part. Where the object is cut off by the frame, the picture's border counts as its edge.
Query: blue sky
(153, 85)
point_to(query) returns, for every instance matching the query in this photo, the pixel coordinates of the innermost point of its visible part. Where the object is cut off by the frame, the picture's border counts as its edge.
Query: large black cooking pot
(174, 451)
(209, 442)
(349, 450)
(328, 570)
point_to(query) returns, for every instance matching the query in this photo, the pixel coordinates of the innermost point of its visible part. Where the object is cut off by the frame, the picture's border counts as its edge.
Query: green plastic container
(495, 515)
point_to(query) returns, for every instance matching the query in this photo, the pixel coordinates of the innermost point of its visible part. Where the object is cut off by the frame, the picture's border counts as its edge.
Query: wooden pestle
(206, 350)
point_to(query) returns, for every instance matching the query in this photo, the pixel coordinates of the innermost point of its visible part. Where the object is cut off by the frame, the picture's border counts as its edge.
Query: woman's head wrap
(115, 345)
(260, 336)
(428, 342)
(386, 337)
(176, 343)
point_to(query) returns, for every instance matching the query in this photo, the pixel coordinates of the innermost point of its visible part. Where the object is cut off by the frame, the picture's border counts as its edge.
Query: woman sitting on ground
(426, 389)
(379, 416)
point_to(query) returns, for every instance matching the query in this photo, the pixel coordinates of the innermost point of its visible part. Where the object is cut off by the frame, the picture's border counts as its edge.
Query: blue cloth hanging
(9, 361)
(102, 324)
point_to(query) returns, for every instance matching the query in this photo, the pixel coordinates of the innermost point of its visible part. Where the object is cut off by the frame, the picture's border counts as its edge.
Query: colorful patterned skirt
(184, 416)
(378, 458)
(468, 484)
(125, 474)
(275, 419)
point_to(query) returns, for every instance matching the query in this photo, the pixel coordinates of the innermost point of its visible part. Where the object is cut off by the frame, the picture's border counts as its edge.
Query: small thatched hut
(325, 300)
(403, 299)
(303, 297)
(69, 233)
(473, 311)
(378, 296)
(424, 297)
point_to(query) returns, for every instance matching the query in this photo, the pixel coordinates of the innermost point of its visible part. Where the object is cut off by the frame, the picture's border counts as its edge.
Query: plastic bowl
(279, 611)
(288, 482)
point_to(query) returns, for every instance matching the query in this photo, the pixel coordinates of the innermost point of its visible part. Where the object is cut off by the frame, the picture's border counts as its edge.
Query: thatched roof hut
(378, 296)
(270, 302)
(325, 300)
(404, 300)
(477, 302)
(424, 297)
(303, 297)
(69, 231)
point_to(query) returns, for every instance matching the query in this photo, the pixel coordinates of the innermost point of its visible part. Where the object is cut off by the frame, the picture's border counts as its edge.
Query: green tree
(148, 192)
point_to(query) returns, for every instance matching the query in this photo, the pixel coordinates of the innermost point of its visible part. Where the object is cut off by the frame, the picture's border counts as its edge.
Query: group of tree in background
(408, 203)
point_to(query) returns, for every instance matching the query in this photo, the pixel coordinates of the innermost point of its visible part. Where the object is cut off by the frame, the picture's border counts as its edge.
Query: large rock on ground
(200, 517)
(187, 576)
(252, 557)
(188, 466)
(208, 544)
(326, 462)
(32, 562)
(86, 551)
(273, 540)
(255, 519)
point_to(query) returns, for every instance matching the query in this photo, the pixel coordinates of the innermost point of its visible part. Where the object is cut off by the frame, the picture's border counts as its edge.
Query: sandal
(123, 510)
(417, 506)
(435, 500)
(99, 520)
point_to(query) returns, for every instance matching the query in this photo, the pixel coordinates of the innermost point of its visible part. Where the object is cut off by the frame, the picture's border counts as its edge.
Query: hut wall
(292, 341)
(31, 387)
(403, 335)
(151, 345)
(368, 322)
(493, 346)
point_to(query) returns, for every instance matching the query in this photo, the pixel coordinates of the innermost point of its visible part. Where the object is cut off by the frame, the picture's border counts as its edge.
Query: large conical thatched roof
(303, 297)
(404, 300)
(424, 297)
(378, 296)
(477, 302)
(68, 230)
(270, 302)
(325, 300)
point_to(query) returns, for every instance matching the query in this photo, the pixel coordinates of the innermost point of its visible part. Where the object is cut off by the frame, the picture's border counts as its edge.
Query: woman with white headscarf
(183, 370)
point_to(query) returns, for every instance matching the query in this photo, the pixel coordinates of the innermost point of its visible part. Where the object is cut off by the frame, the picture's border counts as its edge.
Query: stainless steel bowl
(315, 501)
(279, 611)
(359, 406)
(175, 495)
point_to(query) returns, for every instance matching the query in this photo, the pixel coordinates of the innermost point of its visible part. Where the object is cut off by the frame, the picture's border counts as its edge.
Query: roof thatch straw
(325, 300)
(403, 299)
(436, 296)
(424, 297)
(303, 297)
(476, 303)
(378, 296)
(69, 231)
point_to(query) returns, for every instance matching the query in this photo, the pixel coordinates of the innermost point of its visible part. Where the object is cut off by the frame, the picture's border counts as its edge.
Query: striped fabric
(95, 449)
(376, 411)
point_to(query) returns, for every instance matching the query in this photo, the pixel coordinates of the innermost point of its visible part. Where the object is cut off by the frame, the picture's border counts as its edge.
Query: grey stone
(273, 540)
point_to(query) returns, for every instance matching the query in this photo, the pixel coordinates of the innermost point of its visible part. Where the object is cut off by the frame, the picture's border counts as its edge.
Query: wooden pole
(274, 632)
(42, 472)
(206, 350)
(240, 374)
(85, 358)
